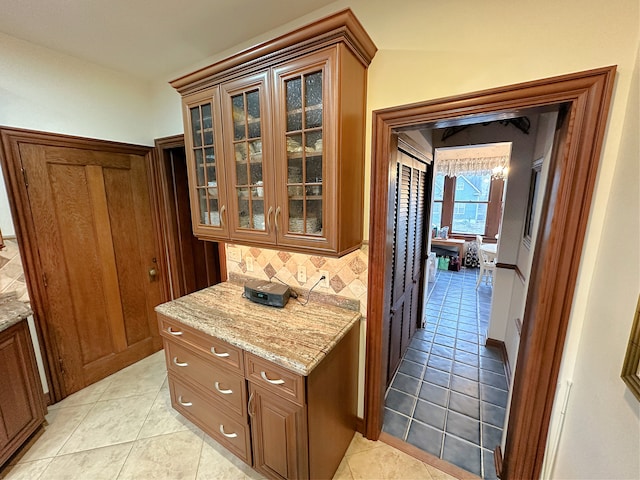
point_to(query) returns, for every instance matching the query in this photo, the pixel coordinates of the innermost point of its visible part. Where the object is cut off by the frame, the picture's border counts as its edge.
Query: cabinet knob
(228, 435)
(153, 273)
(174, 332)
(183, 403)
(222, 391)
(273, 382)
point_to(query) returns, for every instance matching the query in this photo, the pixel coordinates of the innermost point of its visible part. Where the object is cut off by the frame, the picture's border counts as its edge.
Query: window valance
(491, 159)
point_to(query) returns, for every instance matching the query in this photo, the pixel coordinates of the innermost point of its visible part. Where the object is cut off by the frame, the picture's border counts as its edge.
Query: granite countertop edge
(193, 313)
(12, 311)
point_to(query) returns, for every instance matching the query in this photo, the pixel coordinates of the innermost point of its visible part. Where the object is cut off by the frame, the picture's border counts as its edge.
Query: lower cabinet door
(279, 433)
(21, 401)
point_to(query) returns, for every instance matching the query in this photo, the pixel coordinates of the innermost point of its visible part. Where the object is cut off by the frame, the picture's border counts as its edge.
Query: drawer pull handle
(224, 354)
(174, 332)
(184, 404)
(224, 392)
(179, 364)
(249, 409)
(273, 382)
(228, 435)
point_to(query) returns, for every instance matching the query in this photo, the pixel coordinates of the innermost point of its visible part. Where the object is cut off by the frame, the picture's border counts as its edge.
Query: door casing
(564, 216)
(164, 179)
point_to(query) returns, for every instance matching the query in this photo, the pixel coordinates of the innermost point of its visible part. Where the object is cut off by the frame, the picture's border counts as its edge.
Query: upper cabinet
(275, 140)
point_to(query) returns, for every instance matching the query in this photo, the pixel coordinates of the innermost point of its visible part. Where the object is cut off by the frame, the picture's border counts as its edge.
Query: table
(456, 243)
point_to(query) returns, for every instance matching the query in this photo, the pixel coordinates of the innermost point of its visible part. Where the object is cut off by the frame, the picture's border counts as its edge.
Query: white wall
(6, 222)
(44, 90)
(506, 310)
(601, 435)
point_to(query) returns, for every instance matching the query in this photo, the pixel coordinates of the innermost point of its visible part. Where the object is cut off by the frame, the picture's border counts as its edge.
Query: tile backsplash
(11, 271)
(347, 275)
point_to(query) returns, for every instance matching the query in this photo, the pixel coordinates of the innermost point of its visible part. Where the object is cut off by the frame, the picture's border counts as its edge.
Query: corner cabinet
(22, 407)
(275, 138)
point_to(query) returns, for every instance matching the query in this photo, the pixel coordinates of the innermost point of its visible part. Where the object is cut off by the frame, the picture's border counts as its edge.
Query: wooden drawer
(228, 387)
(228, 430)
(275, 378)
(211, 347)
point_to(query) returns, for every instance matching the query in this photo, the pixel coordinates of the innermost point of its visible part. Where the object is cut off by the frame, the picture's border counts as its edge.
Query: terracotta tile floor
(449, 395)
(123, 427)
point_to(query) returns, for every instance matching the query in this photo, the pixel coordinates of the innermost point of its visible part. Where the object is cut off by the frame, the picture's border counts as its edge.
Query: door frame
(17, 192)
(169, 239)
(559, 242)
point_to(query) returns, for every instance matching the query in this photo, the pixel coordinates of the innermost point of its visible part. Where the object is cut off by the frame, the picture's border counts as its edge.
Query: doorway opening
(192, 264)
(449, 395)
(584, 98)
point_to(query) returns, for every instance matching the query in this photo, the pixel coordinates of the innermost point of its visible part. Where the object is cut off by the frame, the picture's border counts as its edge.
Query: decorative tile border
(347, 275)
(326, 299)
(11, 271)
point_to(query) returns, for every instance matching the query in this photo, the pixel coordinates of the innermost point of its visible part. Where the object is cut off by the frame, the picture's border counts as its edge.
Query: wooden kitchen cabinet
(275, 140)
(286, 425)
(22, 406)
(205, 166)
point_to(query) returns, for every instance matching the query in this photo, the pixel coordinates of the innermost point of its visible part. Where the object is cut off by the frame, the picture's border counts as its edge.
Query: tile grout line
(463, 288)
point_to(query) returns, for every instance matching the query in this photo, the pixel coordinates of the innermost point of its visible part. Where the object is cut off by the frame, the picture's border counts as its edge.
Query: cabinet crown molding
(341, 26)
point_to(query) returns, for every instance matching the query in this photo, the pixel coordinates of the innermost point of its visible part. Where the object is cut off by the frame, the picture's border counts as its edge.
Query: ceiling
(150, 39)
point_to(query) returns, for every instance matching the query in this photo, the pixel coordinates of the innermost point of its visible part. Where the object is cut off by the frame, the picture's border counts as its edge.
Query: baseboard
(497, 461)
(499, 344)
(360, 426)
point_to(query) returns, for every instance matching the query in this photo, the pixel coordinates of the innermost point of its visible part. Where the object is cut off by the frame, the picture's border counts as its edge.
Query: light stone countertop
(296, 337)
(12, 310)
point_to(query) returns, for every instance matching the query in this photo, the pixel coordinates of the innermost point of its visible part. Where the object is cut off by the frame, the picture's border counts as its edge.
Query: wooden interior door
(406, 293)
(96, 244)
(194, 264)
(420, 201)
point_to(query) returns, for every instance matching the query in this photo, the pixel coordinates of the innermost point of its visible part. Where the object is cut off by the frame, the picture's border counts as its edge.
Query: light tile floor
(449, 394)
(123, 427)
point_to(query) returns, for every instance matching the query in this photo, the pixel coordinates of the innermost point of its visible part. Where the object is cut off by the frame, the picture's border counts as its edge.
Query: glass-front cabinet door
(246, 113)
(205, 165)
(305, 179)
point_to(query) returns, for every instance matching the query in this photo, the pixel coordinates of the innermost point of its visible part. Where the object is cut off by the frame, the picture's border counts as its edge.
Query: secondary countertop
(296, 337)
(12, 310)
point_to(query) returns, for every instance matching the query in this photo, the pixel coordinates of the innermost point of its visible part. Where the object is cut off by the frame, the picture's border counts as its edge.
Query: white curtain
(490, 159)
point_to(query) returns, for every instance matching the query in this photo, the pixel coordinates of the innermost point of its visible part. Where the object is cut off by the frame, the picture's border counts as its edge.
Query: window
(470, 204)
(436, 206)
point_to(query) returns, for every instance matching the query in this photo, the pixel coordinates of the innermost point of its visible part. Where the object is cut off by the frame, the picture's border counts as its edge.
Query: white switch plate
(235, 254)
(248, 260)
(302, 274)
(325, 282)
